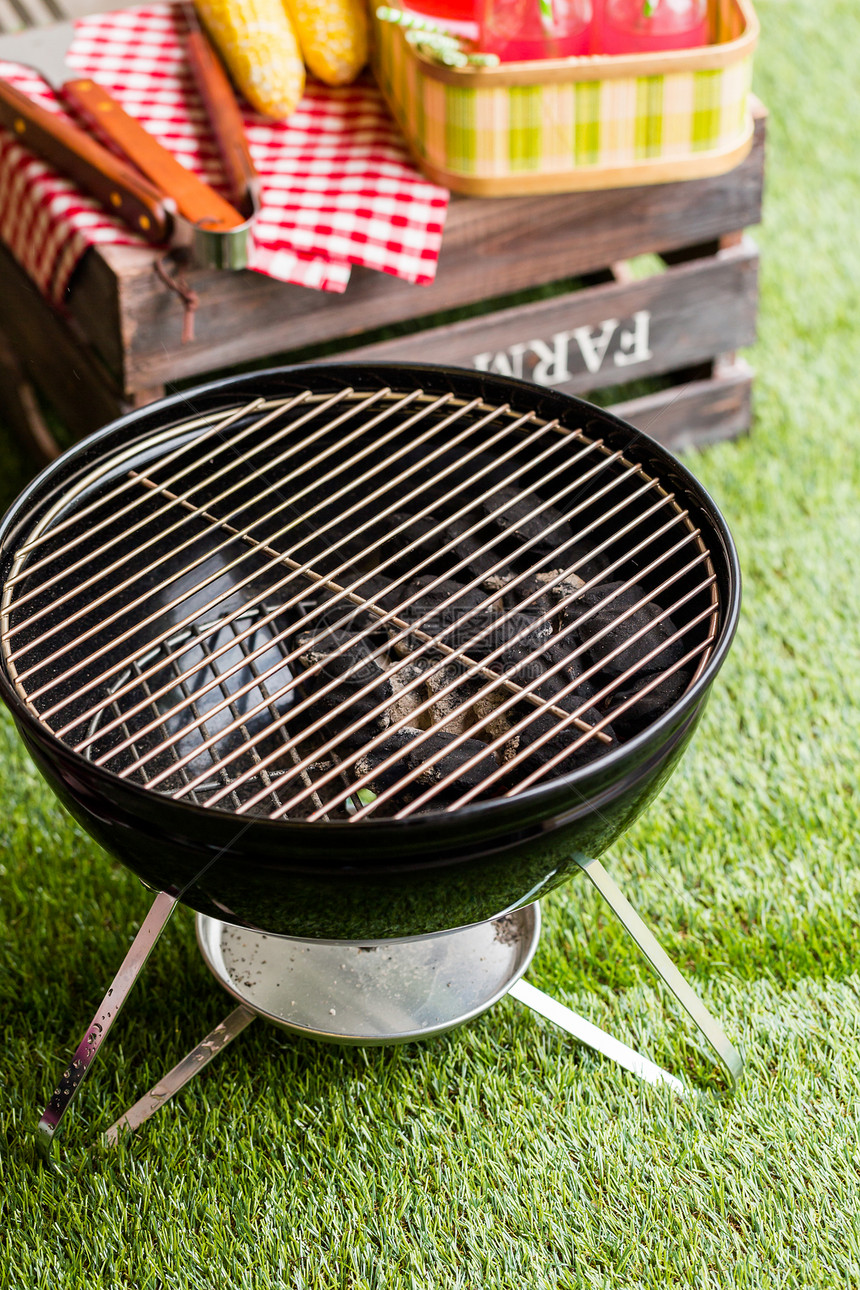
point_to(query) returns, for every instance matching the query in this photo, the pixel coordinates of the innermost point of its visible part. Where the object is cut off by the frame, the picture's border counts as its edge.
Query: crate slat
(695, 412)
(604, 335)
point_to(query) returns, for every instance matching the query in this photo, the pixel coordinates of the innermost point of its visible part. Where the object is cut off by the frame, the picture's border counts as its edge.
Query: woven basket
(576, 123)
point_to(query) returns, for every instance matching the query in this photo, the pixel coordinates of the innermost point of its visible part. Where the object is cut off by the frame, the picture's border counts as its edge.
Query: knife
(166, 202)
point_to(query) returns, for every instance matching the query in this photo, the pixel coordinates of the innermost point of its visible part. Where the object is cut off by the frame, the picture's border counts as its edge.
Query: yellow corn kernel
(333, 37)
(258, 43)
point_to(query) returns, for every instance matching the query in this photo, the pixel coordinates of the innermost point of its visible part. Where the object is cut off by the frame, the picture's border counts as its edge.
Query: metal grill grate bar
(390, 509)
(354, 598)
(105, 502)
(175, 575)
(115, 706)
(208, 706)
(545, 675)
(529, 658)
(472, 670)
(505, 769)
(146, 521)
(159, 534)
(696, 652)
(411, 628)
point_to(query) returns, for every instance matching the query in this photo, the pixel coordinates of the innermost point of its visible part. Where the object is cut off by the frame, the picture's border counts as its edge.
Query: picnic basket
(565, 124)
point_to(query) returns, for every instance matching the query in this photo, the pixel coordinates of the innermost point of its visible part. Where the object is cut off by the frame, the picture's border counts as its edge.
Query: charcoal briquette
(568, 672)
(527, 516)
(468, 547)
(514, 661)
(412, 761)
(465, 618)
(650, 706)
(559, 740)
(367, 764)
(608, 616)
(407, 696)
(352, 669)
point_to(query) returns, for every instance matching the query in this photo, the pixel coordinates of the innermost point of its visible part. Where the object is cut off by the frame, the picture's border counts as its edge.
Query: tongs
(156, 196)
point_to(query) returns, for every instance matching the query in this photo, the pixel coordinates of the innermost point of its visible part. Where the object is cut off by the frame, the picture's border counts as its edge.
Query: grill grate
(340, 606)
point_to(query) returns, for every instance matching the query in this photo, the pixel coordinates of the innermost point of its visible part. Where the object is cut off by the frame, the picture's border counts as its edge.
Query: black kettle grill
(349, 655)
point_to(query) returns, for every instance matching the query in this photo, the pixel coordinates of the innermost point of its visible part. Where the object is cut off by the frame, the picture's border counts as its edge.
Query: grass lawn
(503, 1155)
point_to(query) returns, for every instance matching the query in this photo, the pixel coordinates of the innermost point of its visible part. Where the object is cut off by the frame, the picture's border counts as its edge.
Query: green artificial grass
(503, 1155)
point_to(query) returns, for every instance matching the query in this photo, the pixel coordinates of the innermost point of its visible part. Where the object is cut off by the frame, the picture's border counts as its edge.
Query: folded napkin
(338, 185)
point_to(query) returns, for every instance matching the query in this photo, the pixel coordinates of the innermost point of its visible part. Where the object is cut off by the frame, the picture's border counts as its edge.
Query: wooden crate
(120, 344)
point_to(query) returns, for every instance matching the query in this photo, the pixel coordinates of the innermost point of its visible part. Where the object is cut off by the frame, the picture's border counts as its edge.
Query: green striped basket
(576, 123)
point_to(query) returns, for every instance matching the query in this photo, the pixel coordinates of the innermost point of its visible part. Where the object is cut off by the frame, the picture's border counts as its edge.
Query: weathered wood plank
(51, 356)
(603, 335)
(695, 413)
(691, 312)
(20, 408)
(491, 247)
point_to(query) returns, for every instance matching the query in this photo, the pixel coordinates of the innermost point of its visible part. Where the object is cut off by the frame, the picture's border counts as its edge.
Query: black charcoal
(412, 761)
(323, 547)
(650, 706)
(496, 724)
(353, 669)
(530, 597)
(409, 683)
(456, 711)
(514, 661)
(568, 672)
(469, 547)
(334, 611)
(451, 713)
(541, 724)
(367, 764)
(564, 593)
(608, 616)
(464, 618)
(527, 517)
(414, 533)
(437, 545)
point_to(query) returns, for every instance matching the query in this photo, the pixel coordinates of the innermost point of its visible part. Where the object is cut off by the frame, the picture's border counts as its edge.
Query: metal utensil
(225, 118)
(160, 199)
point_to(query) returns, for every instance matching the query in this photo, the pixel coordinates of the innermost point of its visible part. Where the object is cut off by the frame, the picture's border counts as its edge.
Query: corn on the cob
(333, 37)
(259, 45)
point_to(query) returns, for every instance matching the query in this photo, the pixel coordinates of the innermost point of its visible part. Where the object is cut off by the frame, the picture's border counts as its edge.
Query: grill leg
(593, 1036)
(214, 1043)
(727, 1055)
(151, 928)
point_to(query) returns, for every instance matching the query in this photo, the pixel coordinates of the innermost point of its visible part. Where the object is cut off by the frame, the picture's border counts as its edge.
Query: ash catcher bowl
(358, 662)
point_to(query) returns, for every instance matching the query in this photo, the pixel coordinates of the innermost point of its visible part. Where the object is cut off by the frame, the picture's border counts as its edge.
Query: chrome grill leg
(97, 1031)
(710, 1029)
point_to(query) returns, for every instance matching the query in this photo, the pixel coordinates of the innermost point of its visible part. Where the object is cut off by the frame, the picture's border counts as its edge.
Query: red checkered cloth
(338, 185)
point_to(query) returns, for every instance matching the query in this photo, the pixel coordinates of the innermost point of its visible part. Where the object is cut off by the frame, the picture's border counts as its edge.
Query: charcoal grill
(343, 657)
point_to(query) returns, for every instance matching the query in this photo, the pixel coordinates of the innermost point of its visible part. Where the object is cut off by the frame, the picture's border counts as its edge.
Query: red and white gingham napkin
(338, 185)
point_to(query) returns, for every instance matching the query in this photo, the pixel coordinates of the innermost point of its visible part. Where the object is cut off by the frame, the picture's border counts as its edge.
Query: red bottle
(452, 10)
(533, 29)
(648, 26)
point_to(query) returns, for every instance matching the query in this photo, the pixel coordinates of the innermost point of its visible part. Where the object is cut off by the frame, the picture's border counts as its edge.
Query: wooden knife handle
(119, 188)
(196, 201)
(225, 118)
